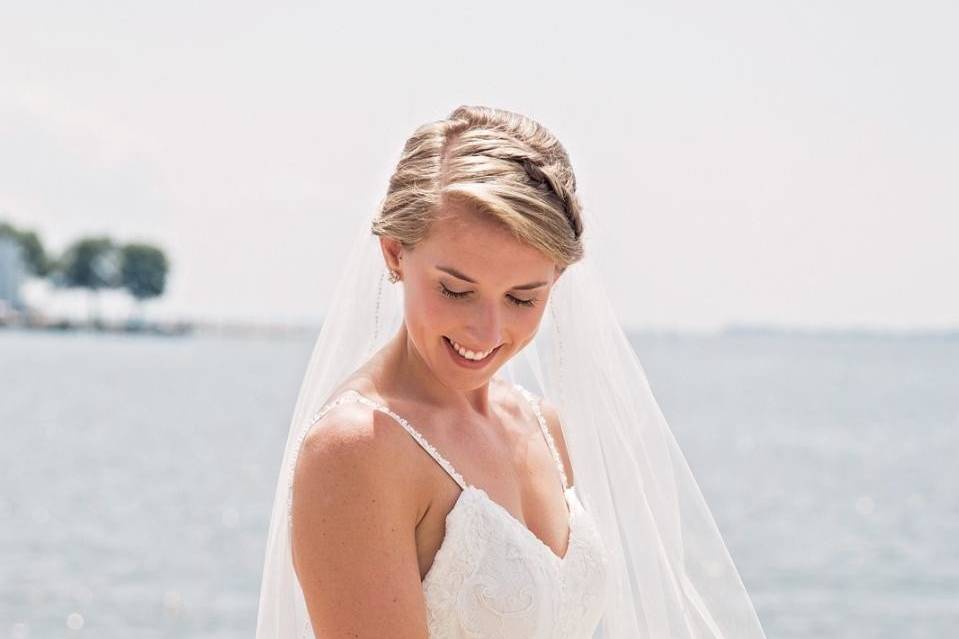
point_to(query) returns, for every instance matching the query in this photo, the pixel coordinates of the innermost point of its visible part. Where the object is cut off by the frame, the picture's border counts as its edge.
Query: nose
(486, 328)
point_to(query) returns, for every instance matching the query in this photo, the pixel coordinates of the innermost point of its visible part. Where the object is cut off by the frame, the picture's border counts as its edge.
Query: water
(829, 464)
(138, 475)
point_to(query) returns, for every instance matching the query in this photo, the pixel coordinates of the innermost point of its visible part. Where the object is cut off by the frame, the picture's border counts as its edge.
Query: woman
(429, 488)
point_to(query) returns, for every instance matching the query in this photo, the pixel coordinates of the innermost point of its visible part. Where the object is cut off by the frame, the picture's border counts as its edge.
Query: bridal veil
(671, 574)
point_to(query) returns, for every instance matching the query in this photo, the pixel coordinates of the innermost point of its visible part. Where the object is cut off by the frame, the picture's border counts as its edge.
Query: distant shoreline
(234, 328)
(179, 328)
(759, 330)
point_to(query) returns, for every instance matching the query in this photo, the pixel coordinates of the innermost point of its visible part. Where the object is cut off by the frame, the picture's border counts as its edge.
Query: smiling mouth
(468, 359)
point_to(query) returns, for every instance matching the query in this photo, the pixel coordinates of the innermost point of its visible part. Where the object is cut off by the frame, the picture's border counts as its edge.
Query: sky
(783, 163)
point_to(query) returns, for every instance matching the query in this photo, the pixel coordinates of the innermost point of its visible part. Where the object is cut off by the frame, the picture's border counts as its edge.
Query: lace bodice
(492, 577)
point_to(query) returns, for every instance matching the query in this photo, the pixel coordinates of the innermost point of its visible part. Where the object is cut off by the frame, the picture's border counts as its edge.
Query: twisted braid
(539, 152)
(543, 177)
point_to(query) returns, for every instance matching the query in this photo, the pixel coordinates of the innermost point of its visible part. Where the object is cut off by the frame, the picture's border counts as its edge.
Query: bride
(475, 451)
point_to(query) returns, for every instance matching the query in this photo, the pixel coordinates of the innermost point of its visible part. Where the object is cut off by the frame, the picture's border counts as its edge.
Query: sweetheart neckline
(568, 494)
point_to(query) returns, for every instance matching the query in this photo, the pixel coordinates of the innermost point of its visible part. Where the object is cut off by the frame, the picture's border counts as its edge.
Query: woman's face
(470, 282)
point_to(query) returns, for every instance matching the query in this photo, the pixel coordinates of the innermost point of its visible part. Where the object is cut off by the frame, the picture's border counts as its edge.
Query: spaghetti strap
(353, 395)
(550, 442)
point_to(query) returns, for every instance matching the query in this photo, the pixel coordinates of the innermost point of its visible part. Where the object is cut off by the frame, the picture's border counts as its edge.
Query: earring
(394, 276)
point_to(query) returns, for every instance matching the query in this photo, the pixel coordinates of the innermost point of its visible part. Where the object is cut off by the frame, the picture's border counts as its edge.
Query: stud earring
(394, 276)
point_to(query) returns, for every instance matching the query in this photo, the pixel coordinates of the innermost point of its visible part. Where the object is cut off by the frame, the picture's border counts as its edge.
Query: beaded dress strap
(353, 395)
(534, 402)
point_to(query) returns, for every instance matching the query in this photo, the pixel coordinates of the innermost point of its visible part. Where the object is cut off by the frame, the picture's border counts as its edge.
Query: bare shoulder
(353, 528)
(341, 452)
(551, 415)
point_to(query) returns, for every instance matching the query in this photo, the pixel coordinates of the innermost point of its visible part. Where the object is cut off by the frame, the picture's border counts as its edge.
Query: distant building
(13, 272)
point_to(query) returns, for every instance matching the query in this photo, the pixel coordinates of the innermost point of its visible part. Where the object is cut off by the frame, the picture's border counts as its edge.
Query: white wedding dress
(492, 578)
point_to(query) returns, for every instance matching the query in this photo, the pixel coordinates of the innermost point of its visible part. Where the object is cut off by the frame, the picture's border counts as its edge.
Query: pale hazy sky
(772, 162)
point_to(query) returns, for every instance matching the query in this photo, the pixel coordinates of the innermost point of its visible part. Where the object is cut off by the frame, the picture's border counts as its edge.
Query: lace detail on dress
(491, 577)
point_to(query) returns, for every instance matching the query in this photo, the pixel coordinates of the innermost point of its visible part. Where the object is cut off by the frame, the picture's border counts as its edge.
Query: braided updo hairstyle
(504, 164)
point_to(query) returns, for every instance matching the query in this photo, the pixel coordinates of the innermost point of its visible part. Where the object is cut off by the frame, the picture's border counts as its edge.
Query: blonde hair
(504, 164)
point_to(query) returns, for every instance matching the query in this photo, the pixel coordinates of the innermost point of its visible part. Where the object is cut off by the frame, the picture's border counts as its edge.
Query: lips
(466, 360)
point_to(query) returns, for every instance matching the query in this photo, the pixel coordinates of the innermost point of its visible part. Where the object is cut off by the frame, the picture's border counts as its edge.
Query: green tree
(92, 263)
(143, 272)
(34, 255)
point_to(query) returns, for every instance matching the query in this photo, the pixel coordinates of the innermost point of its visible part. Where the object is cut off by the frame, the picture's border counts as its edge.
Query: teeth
(468, 354)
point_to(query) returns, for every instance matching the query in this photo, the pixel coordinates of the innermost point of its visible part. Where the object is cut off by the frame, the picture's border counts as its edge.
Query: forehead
(481, 246)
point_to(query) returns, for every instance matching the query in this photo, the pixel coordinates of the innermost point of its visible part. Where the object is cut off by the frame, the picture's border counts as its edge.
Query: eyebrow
(522, 287)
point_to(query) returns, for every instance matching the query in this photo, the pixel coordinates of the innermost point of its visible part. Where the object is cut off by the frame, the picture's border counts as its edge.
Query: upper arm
(556, 430)
(353, 532)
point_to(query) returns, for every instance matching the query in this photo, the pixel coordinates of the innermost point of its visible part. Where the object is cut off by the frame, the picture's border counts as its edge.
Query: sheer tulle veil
(671, 575)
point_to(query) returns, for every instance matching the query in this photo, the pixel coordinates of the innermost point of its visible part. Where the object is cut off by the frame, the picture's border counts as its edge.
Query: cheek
(529, 324)
(426, 308)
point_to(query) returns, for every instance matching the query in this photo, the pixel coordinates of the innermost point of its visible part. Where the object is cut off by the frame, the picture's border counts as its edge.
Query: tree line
(95, 263)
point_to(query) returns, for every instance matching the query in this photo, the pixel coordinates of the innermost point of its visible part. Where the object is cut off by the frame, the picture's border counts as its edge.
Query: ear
(392, 252)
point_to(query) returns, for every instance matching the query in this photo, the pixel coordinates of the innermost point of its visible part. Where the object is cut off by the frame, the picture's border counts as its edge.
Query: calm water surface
(138, 475)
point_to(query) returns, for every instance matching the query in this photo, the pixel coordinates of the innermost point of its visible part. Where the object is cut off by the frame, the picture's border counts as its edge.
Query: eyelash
(458, 295)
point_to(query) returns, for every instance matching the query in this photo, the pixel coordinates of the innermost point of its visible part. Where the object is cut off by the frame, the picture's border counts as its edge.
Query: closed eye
(453, 294)
(461, 294)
